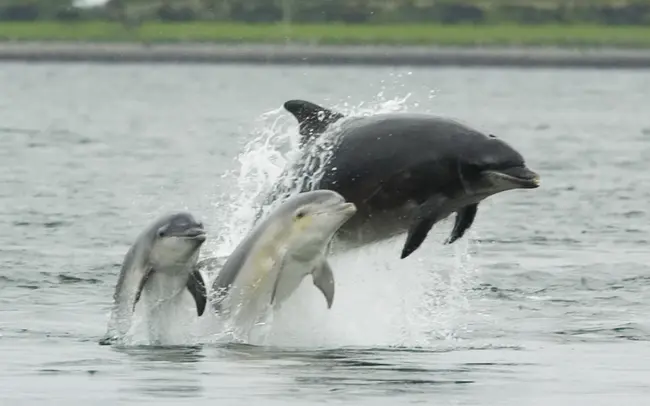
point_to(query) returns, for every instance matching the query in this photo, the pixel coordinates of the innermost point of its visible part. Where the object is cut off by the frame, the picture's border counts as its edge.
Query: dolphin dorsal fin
(313, 119)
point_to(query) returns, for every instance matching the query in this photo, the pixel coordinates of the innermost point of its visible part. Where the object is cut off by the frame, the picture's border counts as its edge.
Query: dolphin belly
(250, 290)
(165, 305)
(374, 226)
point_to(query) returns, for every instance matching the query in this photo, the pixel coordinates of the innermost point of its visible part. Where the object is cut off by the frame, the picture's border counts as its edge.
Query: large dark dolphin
(404, 172)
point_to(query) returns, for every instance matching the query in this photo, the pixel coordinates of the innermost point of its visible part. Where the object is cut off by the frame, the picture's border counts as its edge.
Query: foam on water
(380, 300)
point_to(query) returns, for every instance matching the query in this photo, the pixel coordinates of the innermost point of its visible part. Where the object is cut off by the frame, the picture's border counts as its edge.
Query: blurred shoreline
(295, 54)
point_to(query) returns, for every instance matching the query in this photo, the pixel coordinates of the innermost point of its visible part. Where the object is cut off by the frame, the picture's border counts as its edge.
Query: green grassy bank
(462, 35)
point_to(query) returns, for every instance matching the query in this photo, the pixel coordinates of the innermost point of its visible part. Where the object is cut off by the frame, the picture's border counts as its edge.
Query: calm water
(546, 302)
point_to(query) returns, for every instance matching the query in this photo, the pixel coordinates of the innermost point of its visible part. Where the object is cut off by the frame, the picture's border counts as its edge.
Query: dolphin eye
(161, 233)
(300, 214)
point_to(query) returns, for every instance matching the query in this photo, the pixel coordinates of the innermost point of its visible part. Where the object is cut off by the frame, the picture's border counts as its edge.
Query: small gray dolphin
(160, 265)
(404, 172)
(289, 244)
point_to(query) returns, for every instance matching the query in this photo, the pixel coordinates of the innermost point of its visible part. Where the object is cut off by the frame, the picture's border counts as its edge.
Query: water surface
(545, 302)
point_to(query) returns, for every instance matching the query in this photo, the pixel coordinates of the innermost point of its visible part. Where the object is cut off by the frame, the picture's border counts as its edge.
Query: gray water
(546, 302)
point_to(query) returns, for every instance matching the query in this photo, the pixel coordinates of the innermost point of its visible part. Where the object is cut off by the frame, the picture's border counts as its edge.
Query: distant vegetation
(606, 12)
(342, 34)
(442, 22)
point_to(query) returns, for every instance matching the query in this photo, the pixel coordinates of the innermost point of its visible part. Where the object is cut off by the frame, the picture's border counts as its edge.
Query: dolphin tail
(312, 118)
(464, 219)
(196, 286)
(427, 216)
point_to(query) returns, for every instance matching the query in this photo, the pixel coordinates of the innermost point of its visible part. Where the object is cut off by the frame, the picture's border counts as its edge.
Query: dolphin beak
(520, 176)
(195, 233)
(348, 208)
(343, 211)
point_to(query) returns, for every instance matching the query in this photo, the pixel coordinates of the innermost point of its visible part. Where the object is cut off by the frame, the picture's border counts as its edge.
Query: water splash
(166, 323)
(274, 147)
(380, 300)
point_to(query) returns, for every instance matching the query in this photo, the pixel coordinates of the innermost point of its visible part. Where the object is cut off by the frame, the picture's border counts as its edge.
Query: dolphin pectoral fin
(324, 281)
(276, 284)
(416, 235)
(427, 216)
(275, 289)
(464, 219)
(143, 281)
(312, 118)
(196, 286)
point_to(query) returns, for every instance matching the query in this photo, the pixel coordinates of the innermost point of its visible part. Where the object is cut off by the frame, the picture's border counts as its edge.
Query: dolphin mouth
(520, 176)
(346, 208)
(195, 233)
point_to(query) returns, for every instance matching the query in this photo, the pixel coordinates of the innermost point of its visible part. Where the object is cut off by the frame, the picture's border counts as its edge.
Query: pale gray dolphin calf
(158, 268)
(289, 244)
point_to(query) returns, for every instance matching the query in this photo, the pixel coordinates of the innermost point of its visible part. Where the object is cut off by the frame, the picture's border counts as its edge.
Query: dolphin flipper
(312, 118)
(196, 286)
(324, 281)
(426, 218)
(464, 219)
(147, 274)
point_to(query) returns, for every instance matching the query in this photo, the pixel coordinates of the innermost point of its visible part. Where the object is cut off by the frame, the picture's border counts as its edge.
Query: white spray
(381, 300)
